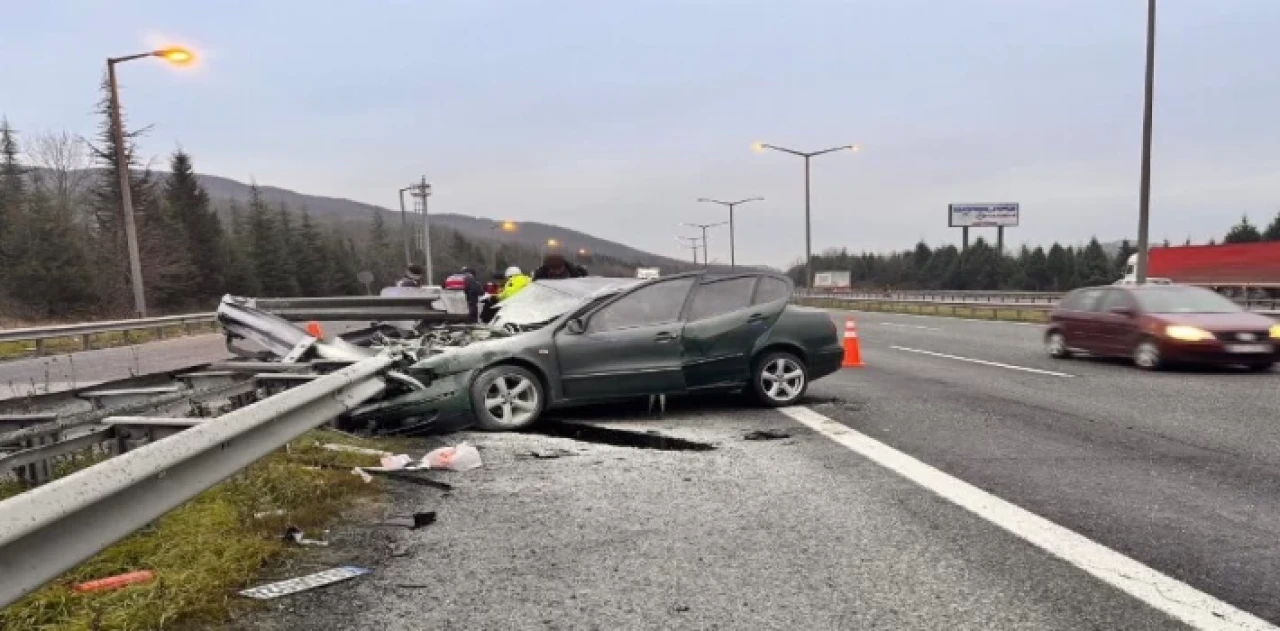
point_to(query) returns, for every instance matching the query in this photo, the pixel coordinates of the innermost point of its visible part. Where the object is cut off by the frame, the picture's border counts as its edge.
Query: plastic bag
(462, 457)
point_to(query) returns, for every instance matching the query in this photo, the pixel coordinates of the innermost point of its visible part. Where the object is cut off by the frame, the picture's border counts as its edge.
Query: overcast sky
(614, 116)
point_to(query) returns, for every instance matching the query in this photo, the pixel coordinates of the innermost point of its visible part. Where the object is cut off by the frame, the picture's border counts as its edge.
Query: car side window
(771, 289)
(1115, 298)
(721, 297)
(658, 303)
(1081, 300)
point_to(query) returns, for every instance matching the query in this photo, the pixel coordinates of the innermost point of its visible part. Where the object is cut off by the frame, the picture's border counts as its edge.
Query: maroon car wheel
(1146, 355)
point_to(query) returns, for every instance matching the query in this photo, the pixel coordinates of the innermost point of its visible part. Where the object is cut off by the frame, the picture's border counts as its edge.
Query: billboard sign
(831, 280)
(982, 215)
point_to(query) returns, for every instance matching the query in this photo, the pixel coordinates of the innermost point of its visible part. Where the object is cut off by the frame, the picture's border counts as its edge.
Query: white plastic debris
(395, 463)
(279, 512)
(462, 457)
(363, 476)
(355, 450)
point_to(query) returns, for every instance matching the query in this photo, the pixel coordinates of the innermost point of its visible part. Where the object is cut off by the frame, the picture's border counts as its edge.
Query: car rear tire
(1146, 355)
(507, 398)
(779, 379)
(1055, 343)
(1264, 367)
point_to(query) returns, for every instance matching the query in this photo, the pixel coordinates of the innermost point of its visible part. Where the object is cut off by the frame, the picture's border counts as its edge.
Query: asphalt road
(57, 373)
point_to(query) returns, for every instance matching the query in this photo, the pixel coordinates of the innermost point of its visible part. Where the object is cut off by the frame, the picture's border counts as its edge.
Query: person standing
(412, 277)
(516, 280)
(556, 267)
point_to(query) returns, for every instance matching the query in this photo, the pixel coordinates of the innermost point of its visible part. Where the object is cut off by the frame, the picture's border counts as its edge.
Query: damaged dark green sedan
(567, 342)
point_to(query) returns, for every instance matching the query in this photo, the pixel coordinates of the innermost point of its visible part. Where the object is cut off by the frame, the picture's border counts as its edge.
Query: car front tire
(1147, 356)
(1055, 343)
(507, 398)
(779, 379)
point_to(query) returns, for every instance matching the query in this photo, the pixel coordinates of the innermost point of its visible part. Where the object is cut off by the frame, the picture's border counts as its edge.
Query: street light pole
(730, 205)
(404, 229)
(423, 192)
(706, 256)
(1144, 185)
(173, 55)
(693, 245)
(808, 240)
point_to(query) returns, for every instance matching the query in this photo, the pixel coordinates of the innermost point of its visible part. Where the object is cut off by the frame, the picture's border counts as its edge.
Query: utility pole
(703, 226)
(404, 229)
(1144, 185)
(422, 191)
(693, 245)
(126, 197)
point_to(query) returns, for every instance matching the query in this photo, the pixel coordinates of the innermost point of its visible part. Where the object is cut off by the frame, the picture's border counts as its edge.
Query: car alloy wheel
(506, 398)
(1056, 344)
(781, 378)
(1147, 355)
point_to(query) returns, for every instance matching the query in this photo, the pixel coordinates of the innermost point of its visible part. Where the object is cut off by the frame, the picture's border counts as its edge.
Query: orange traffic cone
(852, 353)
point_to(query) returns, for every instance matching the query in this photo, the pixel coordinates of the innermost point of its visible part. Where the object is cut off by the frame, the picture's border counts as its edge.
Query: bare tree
(63, 162)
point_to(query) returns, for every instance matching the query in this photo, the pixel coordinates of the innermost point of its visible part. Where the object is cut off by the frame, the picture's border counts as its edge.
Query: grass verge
(977, 312)
(29, 348)
(205, 550)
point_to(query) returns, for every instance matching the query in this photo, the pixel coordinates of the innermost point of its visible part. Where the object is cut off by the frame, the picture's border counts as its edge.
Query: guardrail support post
(86, 341)
(159, 333)
(40, 347)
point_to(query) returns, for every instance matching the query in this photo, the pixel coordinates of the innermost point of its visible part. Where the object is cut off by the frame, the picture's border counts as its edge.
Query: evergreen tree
(1039, 278)
(237, 252)
(187, 205)
(12, 177)
(979, 266)
(287, 259)
(267, 247)
(1092, 265)
(381, 257)
(1243, 232)
(1122, 257)
(920, 259)
(51, 273)
(1059, 268)
(1273, 231)
(313, 259)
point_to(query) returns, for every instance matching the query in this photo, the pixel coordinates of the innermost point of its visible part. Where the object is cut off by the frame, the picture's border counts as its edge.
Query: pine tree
(266, 247)
(51, 272)
(1243, 232)
(237, 252)
(1092, 265)
(287, 259)
(1059, 268)
(187, 204)
(1039, 277)
(12, 177)
(1122, 258)
(381, 257)
(314, 259)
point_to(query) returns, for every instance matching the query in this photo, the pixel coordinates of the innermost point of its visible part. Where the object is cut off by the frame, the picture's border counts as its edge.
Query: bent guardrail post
(50, 529)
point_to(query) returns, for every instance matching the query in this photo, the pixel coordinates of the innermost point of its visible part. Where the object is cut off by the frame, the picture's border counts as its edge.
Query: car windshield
(545, 300)
(1184, 300)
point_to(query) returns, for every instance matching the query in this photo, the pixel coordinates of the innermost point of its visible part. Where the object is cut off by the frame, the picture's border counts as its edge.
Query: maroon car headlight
(1275, 332)
(1184, 333)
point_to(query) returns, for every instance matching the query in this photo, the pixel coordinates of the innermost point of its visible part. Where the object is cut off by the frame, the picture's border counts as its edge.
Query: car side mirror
(576, 326)
(1127, 312)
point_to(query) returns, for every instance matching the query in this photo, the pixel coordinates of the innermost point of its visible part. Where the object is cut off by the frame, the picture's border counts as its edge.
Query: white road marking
(939, 317)
(1161, 592)
(982, 361)
(910, 326)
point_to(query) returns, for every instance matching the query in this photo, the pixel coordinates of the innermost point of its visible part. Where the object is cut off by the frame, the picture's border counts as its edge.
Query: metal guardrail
(52, 528)
(87, 329)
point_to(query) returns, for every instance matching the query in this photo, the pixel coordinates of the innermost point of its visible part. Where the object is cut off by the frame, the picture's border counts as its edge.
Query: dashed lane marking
(1161, 592)
(982, 361)
(910, 326)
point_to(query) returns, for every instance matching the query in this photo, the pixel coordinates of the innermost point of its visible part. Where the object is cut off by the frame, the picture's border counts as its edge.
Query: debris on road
(395, 463)
(294, 534)
(463, 457)
(363, 476)
(767, 434)
(412, 586)
(303, 583)
(406, 475)
(279, 512)
(115, 582)
(423, 519)
(400, 550)
(616, 437)
(549, 454)
(356, 450)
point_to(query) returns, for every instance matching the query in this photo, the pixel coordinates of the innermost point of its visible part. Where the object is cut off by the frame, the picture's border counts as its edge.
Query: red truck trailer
(1234, 269)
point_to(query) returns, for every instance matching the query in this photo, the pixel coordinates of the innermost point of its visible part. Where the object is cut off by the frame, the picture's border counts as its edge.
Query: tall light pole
(693, 245)
(730, 205)
(1144, 185)
(179, 56)
(404, 230)
(706, 257)
(422, 191)
(548, 246)
(808, 240)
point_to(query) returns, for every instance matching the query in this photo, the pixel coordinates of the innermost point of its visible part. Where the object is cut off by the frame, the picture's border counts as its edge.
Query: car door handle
(665, 336)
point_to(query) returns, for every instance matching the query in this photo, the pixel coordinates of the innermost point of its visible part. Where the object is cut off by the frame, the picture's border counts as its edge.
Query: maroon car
(1161, 324)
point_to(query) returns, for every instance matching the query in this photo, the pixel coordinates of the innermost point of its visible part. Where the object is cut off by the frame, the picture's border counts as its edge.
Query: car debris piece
(767, 434)
(406, 475)
(550, 454)
(462, 457)
(363, 475)
(423, 519)
(395, 463)
(400, 550)
(279, 512)
(355, 450)
(303, 583)
(294, 534)
(115, 582)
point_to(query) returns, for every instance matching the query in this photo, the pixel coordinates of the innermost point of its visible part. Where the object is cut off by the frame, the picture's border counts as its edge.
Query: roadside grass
(205, 550)
(976, 312)
(30, 348)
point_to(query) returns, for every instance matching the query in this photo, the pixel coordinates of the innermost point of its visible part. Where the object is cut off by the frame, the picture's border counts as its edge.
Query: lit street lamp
(693, 245)
(705, 256)
(549, 245)
(178, 56)
(808, 241)
(1144, 184)
(730, 205)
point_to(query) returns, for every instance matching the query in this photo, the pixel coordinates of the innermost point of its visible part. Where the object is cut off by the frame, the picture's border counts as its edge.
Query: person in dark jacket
(472, 290)
(555, 266)
(412, 277)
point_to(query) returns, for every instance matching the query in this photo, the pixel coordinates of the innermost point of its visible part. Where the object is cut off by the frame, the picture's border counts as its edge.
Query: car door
(720, 329)
(629, 346)
(1115, 321)
(1077, 317)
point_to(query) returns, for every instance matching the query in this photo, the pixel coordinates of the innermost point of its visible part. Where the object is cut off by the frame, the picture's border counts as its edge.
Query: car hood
(545, 300)
(1242, 321)
(458, 359)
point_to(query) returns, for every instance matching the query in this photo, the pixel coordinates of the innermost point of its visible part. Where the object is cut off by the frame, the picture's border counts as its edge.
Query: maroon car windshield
(1184, 300)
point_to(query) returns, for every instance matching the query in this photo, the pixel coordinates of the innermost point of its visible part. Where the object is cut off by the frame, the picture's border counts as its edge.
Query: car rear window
(771, 289)
(721, 297)
(1081, 300)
